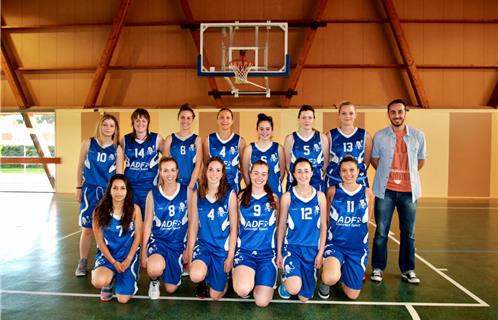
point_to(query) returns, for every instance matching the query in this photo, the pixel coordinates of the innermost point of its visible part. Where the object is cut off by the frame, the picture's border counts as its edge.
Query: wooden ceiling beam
(404, 48)
(187, 12)
(294, 78)
(105, 59)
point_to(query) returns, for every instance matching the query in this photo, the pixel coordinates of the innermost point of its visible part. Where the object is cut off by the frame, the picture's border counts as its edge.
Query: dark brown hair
(263, 117)
(294, 181)
(245, 196)
(306, 107)
(224, 109)
(396, 101)
(223, 188)
(140, 112)
(348, 158)
(103, 211)
(186, 107)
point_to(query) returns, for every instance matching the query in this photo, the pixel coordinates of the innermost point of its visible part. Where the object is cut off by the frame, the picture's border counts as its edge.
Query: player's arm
(122, 161)
(160, 144)
(137, 220)
(79, 170)
(167, 146)
(119, 160)
(322, 202)
(282, 226)
(376, 150)
(246, 159)
(371, 203)
(205, 150)
(198, 162)
(193, 226)
(326, 151)
(289, 142)
(368, 150)
(282, 162)
(186, 258)
(234, 231)
(149, 216)
(330, 197)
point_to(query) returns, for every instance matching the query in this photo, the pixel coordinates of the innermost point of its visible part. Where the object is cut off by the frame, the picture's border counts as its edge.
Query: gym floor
(457, 258)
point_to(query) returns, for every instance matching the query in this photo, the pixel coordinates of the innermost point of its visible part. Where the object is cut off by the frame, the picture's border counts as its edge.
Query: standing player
(141, 150)
(117, 225)
(99, 156)
(226, 145)
(186, 148)
(309, 144)
(254, 262)
(399, 152)
(348, 140)
(267, 150)
(346, 250)
(303, 224)
(213, 231)
(165, 229)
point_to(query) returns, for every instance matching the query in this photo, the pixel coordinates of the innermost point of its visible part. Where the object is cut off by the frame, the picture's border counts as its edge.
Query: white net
(240, 68)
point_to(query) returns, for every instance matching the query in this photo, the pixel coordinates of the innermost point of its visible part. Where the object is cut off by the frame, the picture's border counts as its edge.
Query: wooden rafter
(187, 12)
(296, 74)
(493, 100)
(404, 48)
(23, 102)
(105, 59)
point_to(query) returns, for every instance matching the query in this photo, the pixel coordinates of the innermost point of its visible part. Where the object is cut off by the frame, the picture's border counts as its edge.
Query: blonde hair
(98, 129)
(346, 103)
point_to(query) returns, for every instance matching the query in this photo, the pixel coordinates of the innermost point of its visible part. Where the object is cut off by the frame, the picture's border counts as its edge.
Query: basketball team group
(175, 207)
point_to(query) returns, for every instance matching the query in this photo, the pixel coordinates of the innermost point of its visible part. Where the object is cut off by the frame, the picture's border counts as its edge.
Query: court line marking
(413, 312)
(442, 274)
(178, 298)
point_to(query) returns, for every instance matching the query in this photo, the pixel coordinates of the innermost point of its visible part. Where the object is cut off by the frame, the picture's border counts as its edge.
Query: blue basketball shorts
(299, 261)
(262, 262)
(353, 264)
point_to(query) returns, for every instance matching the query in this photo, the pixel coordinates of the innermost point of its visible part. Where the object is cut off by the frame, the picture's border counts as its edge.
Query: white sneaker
(154, 291)
(410, 277)
(376, 275)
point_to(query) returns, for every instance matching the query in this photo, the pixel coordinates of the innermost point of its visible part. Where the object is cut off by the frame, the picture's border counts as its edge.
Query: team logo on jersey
(359, 144)
(150, 151)
(112, 157)
(182, 206)
(363, 204)
(232, 150)
(289, 267)
(317, 210)
(273, 157)
(316, 147)
(222, 212)
(192, 147)
(268, 207)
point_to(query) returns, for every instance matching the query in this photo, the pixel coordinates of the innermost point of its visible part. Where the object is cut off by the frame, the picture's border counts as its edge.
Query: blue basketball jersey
(228, 151)
(270, 156)
(170, 217)
(303, 220)
(118, 242)
(184, 152)
(349, 219)
(257, 225)
(142, 158)
(310, 149)
(99, 165)
(343, 145)
(214, 222)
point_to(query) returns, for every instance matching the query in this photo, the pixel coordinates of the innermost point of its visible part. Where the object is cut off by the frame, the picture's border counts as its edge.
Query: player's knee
(123, 299)
(262, 302)
(99, 282)
(352, 295)
(196, 275)
(170, 288)
(87, 232)
(216, 295)
(154, 271)
(303, 299)
(242, 289)
(331, 278)
(292, 288)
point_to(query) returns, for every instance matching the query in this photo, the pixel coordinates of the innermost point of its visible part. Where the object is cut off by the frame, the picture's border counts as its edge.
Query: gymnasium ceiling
(123, 53)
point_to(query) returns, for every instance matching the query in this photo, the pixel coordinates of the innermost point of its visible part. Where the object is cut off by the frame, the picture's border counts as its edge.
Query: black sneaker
(201, 290)
(323, 291)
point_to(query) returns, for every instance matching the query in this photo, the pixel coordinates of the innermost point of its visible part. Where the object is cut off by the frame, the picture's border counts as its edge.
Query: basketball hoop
(240, 68)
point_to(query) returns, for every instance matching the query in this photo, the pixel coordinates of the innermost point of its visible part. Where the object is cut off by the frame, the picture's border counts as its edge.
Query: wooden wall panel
(469, 155)
(453, 87)
(208, 123)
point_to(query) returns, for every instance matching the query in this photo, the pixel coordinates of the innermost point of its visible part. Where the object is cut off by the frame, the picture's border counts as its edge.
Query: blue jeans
(384, 209)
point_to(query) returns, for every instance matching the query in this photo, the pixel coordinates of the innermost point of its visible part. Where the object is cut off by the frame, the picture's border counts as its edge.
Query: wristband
(79, 187)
